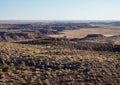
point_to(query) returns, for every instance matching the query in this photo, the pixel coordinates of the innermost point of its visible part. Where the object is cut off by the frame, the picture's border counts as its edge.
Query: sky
(59, 9)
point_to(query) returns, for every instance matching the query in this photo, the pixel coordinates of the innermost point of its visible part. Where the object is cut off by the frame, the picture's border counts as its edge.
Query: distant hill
(14, 36)
(116, 23)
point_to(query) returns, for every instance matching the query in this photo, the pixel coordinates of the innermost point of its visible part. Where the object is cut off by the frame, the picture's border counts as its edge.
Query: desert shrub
(5, 68)
(47, 82)
(1, 75)
(23, 81)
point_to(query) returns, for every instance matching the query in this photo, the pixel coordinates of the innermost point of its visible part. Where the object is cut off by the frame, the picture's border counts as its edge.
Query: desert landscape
(59, 54)
(59, 42)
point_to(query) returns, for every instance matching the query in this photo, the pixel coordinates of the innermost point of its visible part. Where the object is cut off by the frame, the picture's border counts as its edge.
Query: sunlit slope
(57, 62)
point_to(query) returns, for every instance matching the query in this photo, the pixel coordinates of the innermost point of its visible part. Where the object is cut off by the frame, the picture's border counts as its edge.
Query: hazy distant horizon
(59, 20)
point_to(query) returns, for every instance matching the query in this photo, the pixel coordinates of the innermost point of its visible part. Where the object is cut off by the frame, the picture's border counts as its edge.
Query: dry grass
(56, 64)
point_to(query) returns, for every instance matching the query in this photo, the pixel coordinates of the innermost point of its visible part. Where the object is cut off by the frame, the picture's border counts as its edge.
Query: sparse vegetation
(1, 75)
(55, 61)
(5, 68)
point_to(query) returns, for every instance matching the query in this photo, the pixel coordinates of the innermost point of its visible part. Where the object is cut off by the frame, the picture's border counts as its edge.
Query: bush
(1, 75)
(5, 68)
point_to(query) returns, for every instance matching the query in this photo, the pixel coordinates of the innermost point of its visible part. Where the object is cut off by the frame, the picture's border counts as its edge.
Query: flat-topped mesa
(94, 35)
(90, 37)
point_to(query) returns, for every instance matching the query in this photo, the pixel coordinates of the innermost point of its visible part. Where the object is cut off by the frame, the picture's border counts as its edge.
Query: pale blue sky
(59, 9)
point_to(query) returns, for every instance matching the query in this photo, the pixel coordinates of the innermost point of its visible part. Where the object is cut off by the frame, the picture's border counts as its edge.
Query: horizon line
(58, 20)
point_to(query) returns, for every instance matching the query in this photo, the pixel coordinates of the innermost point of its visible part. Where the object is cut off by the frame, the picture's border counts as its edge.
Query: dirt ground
(80, 33)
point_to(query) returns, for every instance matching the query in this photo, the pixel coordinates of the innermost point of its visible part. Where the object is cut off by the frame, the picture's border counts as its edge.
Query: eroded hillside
(23, 31)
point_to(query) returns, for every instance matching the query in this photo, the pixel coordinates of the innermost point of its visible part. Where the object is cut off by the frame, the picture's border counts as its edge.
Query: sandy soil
(80, 33)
